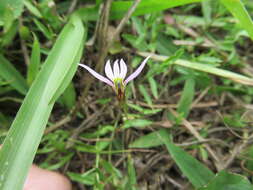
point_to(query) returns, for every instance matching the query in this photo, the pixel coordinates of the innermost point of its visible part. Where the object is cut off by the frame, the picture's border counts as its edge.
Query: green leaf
(119, 8)
(12, 76)
(186, 98)
(207, 10)
(32, 8)
(228, 181)
(87, 178)
(136, 123)
(196, 172)
(15, 6)
(131, 172)
(216, 71)
(209, 69)
(147, 141)
(22, 141)
(34, 66)
(145, 94)
(153, 86)
(46, 31)
(68, 98)
(238, 10)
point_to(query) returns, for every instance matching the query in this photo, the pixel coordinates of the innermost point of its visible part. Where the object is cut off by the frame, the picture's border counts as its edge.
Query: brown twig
(83, 126)
(58, 124)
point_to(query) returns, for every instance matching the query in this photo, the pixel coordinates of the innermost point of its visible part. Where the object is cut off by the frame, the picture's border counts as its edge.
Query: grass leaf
(196, 172)
(12, 76)
(23, 138)
(186, 98)
(238, 10)
(34, 66)
(225, 181)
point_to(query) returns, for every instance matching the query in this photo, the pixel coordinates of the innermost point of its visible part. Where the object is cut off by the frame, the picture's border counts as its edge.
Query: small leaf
(68, 98)
(147, 141)
(145, 94)
(32, 8)
(131, 172)
(12, 76)
(43, 29)
(136, 123)
(153, 86)
(186, 98)
(87, 178)
(34, 66)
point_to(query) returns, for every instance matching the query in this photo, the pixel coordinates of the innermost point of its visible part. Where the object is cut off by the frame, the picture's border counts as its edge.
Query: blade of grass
(33, 67)
(15, 6)
(119, 8)
(186, 98)
(238, 10)
(12, 76)
(216, 71)
(196, 172)
(205, 68)
(21, 143)
(224, 181)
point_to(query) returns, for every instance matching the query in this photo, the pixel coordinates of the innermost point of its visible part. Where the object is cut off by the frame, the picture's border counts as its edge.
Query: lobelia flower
(116, 76)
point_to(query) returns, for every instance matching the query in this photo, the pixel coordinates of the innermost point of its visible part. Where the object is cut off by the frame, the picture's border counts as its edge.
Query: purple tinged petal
(108, 70)
(137, 71)
(98, 76)
(123, 69)
(116, 69)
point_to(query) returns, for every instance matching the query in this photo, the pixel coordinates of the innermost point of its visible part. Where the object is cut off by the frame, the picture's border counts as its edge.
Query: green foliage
(225, 181)
(138, 123)
(27, 129)
(197, 49)
(187, 96)
(12, 76)
(238, 10)
(196, 172)
(148, 141)
(34, 65)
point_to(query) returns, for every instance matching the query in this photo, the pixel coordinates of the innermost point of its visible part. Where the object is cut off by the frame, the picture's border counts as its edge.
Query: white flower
(116, 76)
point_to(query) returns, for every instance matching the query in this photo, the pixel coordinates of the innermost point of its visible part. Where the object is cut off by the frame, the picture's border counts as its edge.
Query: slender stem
(112, 137)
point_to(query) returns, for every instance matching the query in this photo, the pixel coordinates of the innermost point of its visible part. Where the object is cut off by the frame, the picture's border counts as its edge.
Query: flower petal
(116, 69)
(137, 71)
(98, 76)
(123, 69)
(108, 70)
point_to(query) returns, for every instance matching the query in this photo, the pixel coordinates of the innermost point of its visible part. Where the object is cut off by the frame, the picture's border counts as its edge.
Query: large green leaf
(119, 8)
(228, 181)
(196, 172)
(21, 143)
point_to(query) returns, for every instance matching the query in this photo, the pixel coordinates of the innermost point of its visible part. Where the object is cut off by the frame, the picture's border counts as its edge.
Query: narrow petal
(95, 74)
(116, 69)
(123, 69)
(137, 71)
(108, 70)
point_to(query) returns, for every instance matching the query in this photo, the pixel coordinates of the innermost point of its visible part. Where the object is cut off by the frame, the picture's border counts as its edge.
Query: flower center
(119, 88)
